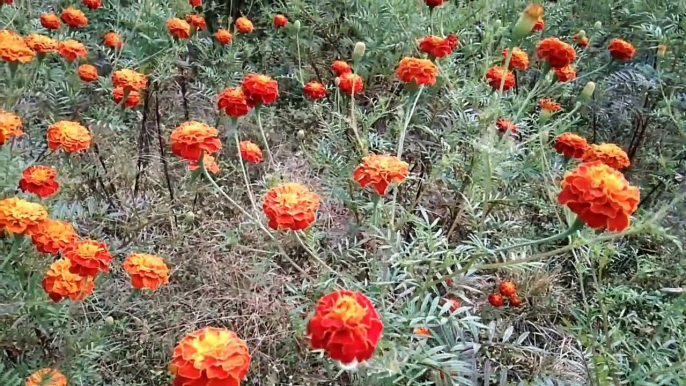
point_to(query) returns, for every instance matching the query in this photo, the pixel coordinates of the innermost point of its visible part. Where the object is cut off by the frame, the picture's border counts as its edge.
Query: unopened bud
(545, 116)
(189, 217)
(109, 320)
(498, 23)
(527, 21)
(300, 134)
(661, 50)
(337, 81)
(581, 34)
(296, 25)
(587, 93)
(598, 25)
(358, 52)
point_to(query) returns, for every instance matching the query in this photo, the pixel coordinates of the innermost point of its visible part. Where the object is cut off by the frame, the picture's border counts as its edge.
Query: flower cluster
(508, 290)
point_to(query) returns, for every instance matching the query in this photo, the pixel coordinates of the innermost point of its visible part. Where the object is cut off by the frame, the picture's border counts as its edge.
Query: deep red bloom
(280, 21)
(88, 257)
(314, 90)
(260, 89)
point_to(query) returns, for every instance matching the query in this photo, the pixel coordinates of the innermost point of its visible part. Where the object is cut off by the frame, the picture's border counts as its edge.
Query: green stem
(510, 48)
(300, 68)
(245, 173)
(18, 239)
(314, 255)
(264, 137)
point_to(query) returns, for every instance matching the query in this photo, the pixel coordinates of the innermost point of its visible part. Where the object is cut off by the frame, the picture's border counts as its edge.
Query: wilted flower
(250, 152)
(379, 171)
(495, 75)
(570, 145)
(71, 50)
(314, 90)
(20, 217)
(350, 83)
(179, 28)
(50, 21)
(74, 18)
(70, 136)
(87, 257)
(52, 236)
(290, 206)
(260, 89)
(87, 73)
(419, 71)
(243, 25)
(47, 377)
(609, 154)
(59, 283)
(233, 102)
(621, 50)
(190, 139)
(146, 271)
(556, 52)
(39, 180)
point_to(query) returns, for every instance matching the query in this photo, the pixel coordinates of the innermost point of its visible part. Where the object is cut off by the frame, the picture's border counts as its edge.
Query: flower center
(288, 200)
(88, 250)
(210, 346)
(40, 175)
(347, 310)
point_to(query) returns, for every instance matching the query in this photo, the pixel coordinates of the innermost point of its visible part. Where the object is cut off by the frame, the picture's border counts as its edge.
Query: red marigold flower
(379, 171)
(621, 50)
(290, 206)
(340, 67)
(422, 331)
(452, 41)
(10, 126)
(556, 52)
(314, 90)
(419, 71)
(243, 25)
(210, 357)
(87, 73)
(39, 180)
(20, 217)
(280, 21)
(52, 236)
(507, 288)
(350, 83)
(133, 99)
(550, 105)
(15, 51)
(195, 3)
(50, 21)
(515, 301)
(146, 271)
(345, 325)
(223, 36)
(435, 47)
(179, 28)
(570, 145)
(47, 377)
(540, 25)
(88, 257)
(495, 75)
(495, 299)
(191, 138)
(565, 74)
(129, 80)
(433, 3)
(74, 18)
(609, 154)
(112, 40)
(580, 41)
(519, 59)
(92, 4)
(505, 125)
(233, 102)
(196, 21)
(71, 136)
(41, 44)
(599, 195)
(209, 162)
(59, 283)
(260, 89)
(250, 152)
(71, 50)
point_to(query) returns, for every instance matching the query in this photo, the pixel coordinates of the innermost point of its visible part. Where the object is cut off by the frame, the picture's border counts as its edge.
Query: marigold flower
(570, 145)
(528, 21)
(146, 271)
(250, 152)
(519, 59)
(580, 41)
(71, 136)
(88, 257)
(179, 28)
(621, 50)
(290, 206)
(233, 102)
(452, 41)
(59, 283)
(433, 3)
(494, 77)
(350, 83)
(540, 25)
(41, 44)
(20, 217)
(112, 40)
(52, 236)
(50, 21)
(15, 51)
(191, 138)
(280, 21)
(505, 125)
(133, 99)
(422, 331)
(314, 90)
(565, 74)
(515, 301)
(345, 325)
(556, 52)
(74, 18)
(92, 4)
(196, 21)
(209, 162)
(495, 299)
(223, 36)
(340, 67)
(507, 288)
(87, 73)
(379, 171)
(39, 180)
(210, 356)
(599, 195)
(243, 25)
(129, 80)
(609, 154)
(195, 3)
(419, 71)
(7, 35)
(71, 50)
(47, 377)
(435, 47)
(10, 126)
(260, 89)
(550, 105)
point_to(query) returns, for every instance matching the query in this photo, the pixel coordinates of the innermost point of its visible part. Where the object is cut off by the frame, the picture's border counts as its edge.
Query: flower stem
(314, 255)
(506, 66)
(300, 67)
(264, 137)
(245, 174)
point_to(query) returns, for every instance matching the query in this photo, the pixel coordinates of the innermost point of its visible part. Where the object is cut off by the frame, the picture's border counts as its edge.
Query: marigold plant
(52, 236)
(59, 282)
(233, 102)
(280, 21)
(197, 21)
(68, 135)
(314, 90)
(519, 59)
(179, 28)
(495, 76)
(556, 52)
(88, 257)
(505, 125)
(71, 50)
(223, 36)
(18, 216)
(418, 71)
(243, 25)
(290, 206)
(129, 80)
(87, 73)
(146, 271)
(47, 377)
(15, 51)
(92, 4)
(112, 40)
(39, 180)
(74, 18)
(435, 46)
(41, 44)
(50, 21)
(379, 171)
(260, 89)
(191, 138)
(350, 83)
(250, 152)
(609, 154)
(621, 50)
(10, 126)
(340, 67)
(565, 74)
(570, 145)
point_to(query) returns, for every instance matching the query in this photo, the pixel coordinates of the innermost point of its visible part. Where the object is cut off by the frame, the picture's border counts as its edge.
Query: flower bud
(587, 93)
(296, 25)
(358, 52)
(109, 320)
(544, 116)
(527, 21)
(581, 34)
(300, 134)
(598, 25)
(189, 217)
(661, 50)
(498, 23)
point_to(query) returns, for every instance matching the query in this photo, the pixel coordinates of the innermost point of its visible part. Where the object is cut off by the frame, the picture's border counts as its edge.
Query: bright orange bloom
(507, 288)
(243, 25)
(581, 42)
(340, 67)
(314, 90)
(10, 126)
(210, 357)
(191, 138)
(570, 145)
(505, 125)
(379, 171)
(129, 80)
(223, 36)
(556, 52)
(280, 21)
(59, 283)
(52, 236)
(20, 217)
(132, 100)
(7, 35)
(74, 18)
(345, 325)
(88, 73)
(621, 50)
(290, 206)
(47, 377)
(112, 40)
(209, 162)
(50, 21)
(233, 102)
(15, 51)
(515, 301)
(92, 4)
(494, 77)
(71, 50)
(39, 180)
(196, 21)
(495, 299)
(195, 3)
(519, 59)
(146, 271)
(435, 47)
(422, 331)
(88, 257)
(550, 105)
(260, 89)
(350, 83)
(179, 28)
(609, 154)
(540, 25)
(71, 136)
(565, 74)
(250, 152)
(600, 196)
(41, 44)
(433, 3)
(419, 71)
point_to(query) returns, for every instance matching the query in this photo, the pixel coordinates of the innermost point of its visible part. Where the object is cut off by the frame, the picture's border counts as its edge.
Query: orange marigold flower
(550, 105)
(345, 325)
(280, 21)
(179, 28)
(59, 283)
(195, 3)
(20, 217)
(47, 377)
(314, 90)
(519, 59)
(39, 180)
(515, 301)
(146, 271)
(609, 154)
(209, 162)
(191, 138)
(233, 102)
(88, 73)
(250, 152)
(223, 36)
(556, 52)
(41, 44)
(260, 89)
(14, 51)
(129, 80)
(379, 171)
(540, 24)
(505, 125)
(507, 288)
(599, 195)
(433, 3)
(9, 35)
(133, 99)
(621, 49)
(71, 136)
(71, 50)
(435, 47)
(350, 83)
(581, 42)
(495, 75)
(565, 74)
(10, 126)
(74, 18)
(340, 67)
(52, 236)
(112, 40)
(452, 41)
(210, 356)
(422, 331)
(50, 21)
(495, 299)
(87, 257)
(243, 25)
(570, 145)
(419, 71)
(196, 21)
(290, 206)
(92, 4)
